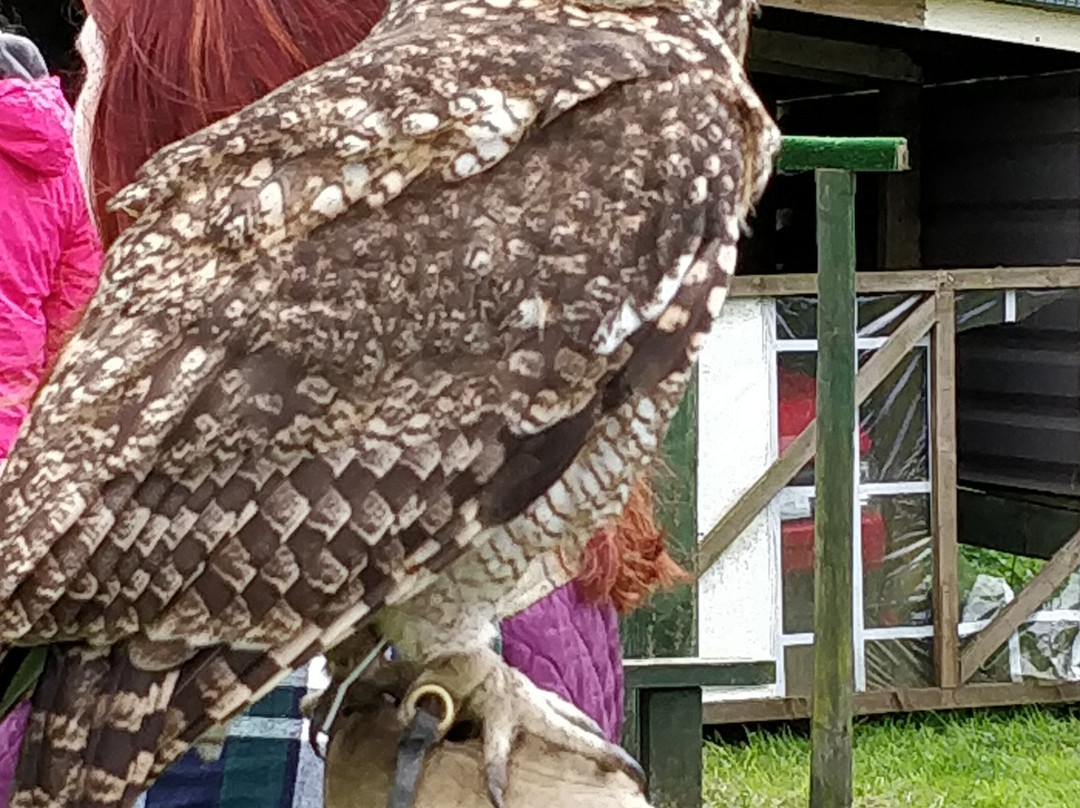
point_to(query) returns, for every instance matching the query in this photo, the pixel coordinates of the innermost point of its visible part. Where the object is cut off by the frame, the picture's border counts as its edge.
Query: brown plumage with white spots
(374, 349)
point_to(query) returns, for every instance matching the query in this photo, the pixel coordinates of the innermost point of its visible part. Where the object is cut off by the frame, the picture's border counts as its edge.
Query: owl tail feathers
(102, 729)
(95, 730)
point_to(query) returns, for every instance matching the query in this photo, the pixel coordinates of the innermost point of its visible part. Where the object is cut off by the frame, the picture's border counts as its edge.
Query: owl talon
(497, 778)
(572, 714)
(508, 706)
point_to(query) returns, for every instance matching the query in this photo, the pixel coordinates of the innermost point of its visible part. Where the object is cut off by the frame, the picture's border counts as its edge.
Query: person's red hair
(175, 66)
(625, 563)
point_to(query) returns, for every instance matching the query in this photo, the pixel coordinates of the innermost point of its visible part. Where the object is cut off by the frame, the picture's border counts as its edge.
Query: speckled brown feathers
(372, 348)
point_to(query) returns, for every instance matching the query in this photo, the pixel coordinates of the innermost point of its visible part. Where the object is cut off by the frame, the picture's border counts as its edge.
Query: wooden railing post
(946, 597)
(831, 722)
(667, 719)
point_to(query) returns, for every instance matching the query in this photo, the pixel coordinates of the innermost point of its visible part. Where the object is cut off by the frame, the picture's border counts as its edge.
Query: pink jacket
(50, 255)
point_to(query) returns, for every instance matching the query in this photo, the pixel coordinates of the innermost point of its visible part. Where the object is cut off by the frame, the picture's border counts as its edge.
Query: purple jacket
(571, 647)
(11, 732)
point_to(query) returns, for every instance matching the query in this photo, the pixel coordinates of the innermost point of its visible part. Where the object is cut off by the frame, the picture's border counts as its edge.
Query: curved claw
(497, 777)
(611, 757)
(572, 714)
(500, 731)
(588, 725)
(606, 755)
(626, 763)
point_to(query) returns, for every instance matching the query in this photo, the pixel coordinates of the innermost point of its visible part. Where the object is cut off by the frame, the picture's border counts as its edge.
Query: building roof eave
(1022, 24)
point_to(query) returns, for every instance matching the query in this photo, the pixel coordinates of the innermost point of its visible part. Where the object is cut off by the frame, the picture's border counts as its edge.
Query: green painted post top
(799, 153)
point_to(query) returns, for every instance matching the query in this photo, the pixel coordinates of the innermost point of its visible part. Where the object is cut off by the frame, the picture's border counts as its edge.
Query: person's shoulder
(36, 124)
(20, 58)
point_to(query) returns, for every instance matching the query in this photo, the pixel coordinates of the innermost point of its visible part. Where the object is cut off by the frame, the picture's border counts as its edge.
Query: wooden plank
(781, 48)
(671, 746)
(1034, 27)
(1054, 572)
(849, 81)
(898, 345)
(921, 280)
(1005, 22)
(860, 154)
(1048, 5)
(896, 12)
(882, 702)
(833, 688)
(676, 673)
(1066, 276)
(946, 594)
(900, 195)
(801, 450)
(757, 496)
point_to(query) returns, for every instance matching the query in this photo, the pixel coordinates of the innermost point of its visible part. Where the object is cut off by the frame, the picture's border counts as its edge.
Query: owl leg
(506, 705)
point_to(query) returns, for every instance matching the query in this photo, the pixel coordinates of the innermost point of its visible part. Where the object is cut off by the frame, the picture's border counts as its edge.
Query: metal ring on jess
(439, 693)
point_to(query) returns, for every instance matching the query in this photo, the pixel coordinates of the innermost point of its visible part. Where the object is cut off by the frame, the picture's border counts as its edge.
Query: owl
(373, 352)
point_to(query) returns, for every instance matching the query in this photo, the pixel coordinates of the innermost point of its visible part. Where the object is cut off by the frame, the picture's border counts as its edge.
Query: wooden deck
(986, 19)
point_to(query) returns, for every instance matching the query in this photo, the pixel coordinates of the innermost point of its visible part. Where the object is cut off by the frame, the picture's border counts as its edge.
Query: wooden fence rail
(956, 660)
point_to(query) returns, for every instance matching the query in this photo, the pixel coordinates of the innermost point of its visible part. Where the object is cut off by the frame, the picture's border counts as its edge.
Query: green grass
(1023, 758)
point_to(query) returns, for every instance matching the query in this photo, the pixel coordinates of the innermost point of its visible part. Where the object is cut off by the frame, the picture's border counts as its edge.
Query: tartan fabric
(266, 761)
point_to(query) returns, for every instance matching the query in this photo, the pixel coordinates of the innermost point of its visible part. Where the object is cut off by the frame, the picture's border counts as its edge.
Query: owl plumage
(375, 348)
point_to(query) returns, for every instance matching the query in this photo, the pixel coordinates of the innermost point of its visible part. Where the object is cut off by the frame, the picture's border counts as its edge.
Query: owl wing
(352, 327)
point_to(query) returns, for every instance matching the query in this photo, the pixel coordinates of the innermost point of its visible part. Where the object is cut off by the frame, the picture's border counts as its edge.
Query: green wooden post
(670, 747)
(831, 728)
(663, 724)
(668, 628)
(668, 697)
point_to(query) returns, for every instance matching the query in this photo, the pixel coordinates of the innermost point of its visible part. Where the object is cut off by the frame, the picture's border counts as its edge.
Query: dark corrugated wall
(1001, 178)
(1001, 172)
(1019, 402)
